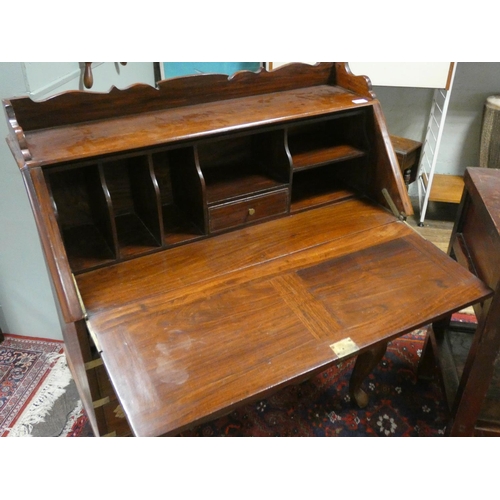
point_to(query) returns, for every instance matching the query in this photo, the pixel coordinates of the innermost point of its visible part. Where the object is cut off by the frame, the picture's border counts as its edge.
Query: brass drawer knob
(251, 211)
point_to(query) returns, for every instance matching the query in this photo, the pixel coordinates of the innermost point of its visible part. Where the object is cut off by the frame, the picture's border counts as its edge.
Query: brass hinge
(344, 347)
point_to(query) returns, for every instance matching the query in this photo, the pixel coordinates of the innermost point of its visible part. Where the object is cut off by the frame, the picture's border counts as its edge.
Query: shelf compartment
(241, 166)
(316, 187)
(83, 212)
(324, 156)
(135, 200)
(181, 195)
(318, 143)
(329, 157)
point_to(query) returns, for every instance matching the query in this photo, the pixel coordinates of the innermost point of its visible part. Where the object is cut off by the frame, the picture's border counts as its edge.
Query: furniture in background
(489, 149)
(473, 400)
(432, 186)
(215, 239)
(408, 153)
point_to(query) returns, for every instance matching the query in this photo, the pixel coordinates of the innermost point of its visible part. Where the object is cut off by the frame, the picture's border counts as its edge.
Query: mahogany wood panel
(475, 243)
(386, 172)
(197, 262)
(359, 84)
(76, 349)
(80, 141)
(66, 109)
(266, 323)
(324, 156)
(52, 244)
(477, 228)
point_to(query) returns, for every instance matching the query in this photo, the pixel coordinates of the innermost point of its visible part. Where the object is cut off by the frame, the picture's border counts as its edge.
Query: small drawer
(249, 210)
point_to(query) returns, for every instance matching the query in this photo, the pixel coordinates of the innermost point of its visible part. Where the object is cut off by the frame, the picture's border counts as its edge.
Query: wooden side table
(473, 400)
(408, 153)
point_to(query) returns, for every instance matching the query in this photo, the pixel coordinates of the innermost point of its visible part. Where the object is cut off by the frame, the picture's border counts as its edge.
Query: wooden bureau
(215, 239)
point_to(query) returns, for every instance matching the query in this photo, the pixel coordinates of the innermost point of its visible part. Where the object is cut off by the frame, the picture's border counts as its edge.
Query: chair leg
(365, 363)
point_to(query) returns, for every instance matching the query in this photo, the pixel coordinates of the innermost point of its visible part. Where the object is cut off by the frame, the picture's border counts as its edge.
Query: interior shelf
(245, 165)
(134, 237)
(311, 188)
(86, 247)
(325, 155)
(83, 215)
(230, 182)
(181, 195)
(134, 198)
(178, 228)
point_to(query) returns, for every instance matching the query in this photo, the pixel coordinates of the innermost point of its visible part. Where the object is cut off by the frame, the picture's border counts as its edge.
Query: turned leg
(364, 365)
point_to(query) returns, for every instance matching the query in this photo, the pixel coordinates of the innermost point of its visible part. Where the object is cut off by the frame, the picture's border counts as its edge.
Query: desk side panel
(68, 304)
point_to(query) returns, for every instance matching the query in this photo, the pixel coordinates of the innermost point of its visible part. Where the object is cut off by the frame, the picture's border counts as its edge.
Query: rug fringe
(53, 388)
(72, 419)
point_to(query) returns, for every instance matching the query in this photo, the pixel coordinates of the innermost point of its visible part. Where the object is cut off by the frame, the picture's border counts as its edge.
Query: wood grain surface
(210, 329)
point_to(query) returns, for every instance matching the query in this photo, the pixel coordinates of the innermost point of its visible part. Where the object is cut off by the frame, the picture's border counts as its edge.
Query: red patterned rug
(400, 404)
(33, 376)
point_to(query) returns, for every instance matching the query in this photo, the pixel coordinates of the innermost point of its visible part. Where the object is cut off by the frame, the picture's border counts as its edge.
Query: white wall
(27, 303)
(404, 74)
(407, 111)
(474, 82)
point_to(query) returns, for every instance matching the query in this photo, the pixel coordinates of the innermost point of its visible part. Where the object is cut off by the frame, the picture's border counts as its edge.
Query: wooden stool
(408, 153)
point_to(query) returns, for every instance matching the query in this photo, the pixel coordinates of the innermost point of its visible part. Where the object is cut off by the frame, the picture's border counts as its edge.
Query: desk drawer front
(249, 210)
